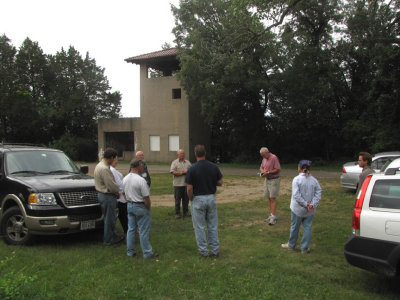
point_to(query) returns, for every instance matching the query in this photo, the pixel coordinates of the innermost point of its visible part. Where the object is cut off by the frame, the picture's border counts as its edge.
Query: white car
(351, 170)
(375, 242)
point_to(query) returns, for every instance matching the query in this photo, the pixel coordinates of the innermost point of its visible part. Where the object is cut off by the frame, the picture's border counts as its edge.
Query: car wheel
(13, 227)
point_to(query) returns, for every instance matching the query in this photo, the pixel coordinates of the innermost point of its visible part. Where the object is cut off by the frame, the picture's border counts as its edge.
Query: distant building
(167, 122)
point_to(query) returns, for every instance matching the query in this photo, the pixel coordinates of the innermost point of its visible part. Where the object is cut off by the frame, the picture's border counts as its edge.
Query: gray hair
(135, 163)
(264, 150)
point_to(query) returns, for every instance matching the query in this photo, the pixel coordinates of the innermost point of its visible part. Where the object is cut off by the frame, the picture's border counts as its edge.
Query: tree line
(307, 78)
(54, 100)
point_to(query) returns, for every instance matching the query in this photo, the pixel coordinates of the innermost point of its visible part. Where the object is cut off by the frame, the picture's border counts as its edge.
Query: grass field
(251, 265)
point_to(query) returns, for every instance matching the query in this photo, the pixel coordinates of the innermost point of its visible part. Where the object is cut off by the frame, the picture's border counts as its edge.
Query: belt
(272, 178)
(133, 202)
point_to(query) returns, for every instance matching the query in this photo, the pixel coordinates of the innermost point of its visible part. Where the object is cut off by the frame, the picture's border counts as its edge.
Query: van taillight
(359, 203)
(344, 170)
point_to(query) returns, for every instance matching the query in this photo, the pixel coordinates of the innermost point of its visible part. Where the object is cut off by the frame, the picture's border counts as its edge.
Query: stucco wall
(162, 116)
(120, 125)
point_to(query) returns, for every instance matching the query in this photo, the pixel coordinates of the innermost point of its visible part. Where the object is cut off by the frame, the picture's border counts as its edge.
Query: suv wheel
(13, 227)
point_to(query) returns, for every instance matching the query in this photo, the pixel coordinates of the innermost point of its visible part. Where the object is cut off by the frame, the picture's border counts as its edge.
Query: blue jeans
(204, 212)
(108, 204)
(294, 231)
(138, 216)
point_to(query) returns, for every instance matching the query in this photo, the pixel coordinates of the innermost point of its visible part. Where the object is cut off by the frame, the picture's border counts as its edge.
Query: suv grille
(84, 198)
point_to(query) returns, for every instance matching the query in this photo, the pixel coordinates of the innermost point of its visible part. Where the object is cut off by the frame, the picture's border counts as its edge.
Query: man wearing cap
(306, 194)
(138, 197)
(270, 169)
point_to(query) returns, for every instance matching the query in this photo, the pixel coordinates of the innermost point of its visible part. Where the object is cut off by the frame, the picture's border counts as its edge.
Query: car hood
(56, 183)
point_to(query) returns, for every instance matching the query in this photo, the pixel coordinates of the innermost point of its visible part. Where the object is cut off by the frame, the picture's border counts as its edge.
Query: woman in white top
(122, 206)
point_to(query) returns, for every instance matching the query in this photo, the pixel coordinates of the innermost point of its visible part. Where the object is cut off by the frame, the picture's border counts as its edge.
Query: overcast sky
(110, 31)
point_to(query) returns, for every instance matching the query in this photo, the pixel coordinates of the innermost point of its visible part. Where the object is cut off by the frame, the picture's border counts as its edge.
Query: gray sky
(109, 30)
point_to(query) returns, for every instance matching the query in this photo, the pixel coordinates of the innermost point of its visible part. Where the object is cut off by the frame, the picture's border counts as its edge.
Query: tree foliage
(305, 78)
(53, 99)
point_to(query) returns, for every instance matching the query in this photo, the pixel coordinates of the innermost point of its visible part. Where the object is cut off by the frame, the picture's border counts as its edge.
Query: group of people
(131, 194)
(197, 183)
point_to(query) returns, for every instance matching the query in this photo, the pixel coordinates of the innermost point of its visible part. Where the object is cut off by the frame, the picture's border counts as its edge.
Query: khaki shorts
(271, 187)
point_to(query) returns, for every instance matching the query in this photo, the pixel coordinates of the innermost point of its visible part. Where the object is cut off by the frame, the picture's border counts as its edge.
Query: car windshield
(39, 162)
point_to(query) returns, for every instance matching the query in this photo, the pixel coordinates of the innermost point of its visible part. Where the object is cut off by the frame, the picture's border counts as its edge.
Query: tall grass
(251, 265)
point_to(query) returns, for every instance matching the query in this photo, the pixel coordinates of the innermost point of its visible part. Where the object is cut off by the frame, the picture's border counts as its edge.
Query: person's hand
(309, 207)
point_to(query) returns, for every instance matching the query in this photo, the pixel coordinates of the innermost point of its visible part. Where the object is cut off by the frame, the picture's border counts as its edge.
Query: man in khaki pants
(179, 169)
(270, 170)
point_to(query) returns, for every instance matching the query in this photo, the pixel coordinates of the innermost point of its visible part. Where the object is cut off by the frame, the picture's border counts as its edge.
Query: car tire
(13, 227)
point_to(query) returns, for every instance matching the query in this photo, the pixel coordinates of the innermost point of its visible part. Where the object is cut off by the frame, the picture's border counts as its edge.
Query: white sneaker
(272, 220)
(286, 246)
(268, 219)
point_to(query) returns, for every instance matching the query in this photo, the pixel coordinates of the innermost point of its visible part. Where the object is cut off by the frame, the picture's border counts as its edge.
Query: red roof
(153, 55)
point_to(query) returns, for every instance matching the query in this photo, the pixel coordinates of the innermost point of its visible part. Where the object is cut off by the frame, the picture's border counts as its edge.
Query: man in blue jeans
(202, 179)
(108, 192)
(138, 197)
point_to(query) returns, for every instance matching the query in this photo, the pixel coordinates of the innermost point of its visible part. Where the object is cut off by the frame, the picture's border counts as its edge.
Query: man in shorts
(270, 170)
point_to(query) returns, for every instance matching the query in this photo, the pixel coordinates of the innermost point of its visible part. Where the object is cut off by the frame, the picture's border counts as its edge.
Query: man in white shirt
(138, 197)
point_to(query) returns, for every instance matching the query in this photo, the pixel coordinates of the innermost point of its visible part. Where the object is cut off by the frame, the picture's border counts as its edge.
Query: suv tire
(13, 227)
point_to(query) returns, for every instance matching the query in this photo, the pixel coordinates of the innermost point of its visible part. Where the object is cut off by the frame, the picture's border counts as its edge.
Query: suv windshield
(39, 162)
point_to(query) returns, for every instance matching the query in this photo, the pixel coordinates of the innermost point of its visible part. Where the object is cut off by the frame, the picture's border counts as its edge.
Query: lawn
(251, 264)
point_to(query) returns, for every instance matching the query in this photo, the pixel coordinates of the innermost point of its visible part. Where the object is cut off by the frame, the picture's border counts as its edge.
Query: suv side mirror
(84, 169)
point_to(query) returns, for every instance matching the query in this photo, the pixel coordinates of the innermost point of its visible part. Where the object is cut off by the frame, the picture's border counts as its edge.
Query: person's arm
(147, 202)
(220, 182)
(189, 190)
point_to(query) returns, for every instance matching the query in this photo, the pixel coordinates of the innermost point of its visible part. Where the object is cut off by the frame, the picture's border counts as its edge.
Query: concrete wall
(162, 116)
(120, 125)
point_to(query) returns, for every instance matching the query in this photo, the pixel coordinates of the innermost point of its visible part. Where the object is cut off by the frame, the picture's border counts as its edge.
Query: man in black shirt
(202, 179)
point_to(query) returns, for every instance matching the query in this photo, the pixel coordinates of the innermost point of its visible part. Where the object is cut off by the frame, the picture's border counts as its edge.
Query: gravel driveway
(226, 171)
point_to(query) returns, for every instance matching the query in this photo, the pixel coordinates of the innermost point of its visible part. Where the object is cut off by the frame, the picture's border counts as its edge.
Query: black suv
(42, 192)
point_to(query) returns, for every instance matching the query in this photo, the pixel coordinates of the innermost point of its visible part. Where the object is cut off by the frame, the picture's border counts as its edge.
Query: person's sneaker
(177, 216)
(286, 246)
(305, 251)
(154, 255)
(272, 220)
(268, 219)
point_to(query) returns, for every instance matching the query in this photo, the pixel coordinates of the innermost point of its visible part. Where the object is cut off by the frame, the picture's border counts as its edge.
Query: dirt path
(234, 189)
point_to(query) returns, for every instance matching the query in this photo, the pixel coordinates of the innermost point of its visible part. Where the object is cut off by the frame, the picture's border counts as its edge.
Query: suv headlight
(42, 199)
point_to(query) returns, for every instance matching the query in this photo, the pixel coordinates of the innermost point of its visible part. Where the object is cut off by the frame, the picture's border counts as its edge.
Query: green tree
(371, 56)
(226, 60)
(53, 99)
(7, 84)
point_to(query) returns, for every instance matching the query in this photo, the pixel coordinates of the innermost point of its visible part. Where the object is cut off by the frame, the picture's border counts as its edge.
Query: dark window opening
(176, 93)
(120, 141)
